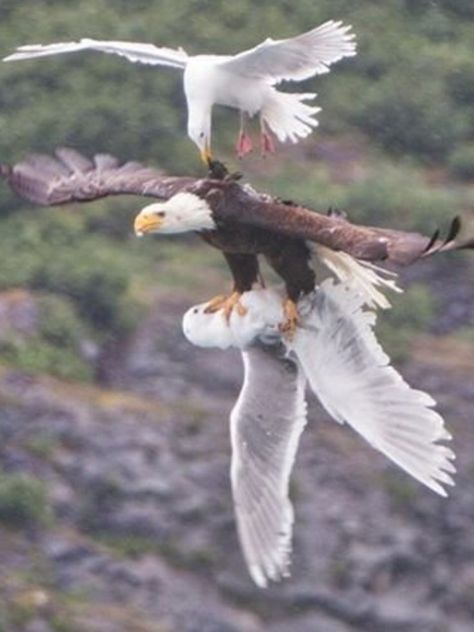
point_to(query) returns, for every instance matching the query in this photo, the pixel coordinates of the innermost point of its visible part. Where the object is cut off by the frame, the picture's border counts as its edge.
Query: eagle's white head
(182, 213)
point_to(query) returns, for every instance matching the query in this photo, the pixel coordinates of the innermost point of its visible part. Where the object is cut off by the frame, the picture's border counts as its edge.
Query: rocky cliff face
(142, 537)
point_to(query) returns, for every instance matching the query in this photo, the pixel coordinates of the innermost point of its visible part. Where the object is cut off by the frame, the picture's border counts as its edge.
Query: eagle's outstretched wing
(71, 177)
(266, 424)
(367, 243)
(296, 58)
(352, 377)
(133, 51)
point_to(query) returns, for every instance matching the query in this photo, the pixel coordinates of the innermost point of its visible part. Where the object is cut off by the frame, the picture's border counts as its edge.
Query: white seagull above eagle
(329, 344)
(245, 81)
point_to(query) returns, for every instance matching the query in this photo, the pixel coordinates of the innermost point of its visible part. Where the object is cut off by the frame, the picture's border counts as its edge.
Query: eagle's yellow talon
(292, 319)
(227, 305)
(215, 304)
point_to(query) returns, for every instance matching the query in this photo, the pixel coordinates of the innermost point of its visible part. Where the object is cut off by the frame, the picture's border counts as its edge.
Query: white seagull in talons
(245, 81)
(334, 352)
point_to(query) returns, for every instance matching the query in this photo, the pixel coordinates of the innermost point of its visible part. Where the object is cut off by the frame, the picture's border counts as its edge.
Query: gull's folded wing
(296, 58)
(266, 424)
(350, 374)
(133, 51)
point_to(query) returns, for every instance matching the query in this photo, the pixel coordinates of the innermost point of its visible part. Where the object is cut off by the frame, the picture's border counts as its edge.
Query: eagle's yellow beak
(206, 154)
(146, 223)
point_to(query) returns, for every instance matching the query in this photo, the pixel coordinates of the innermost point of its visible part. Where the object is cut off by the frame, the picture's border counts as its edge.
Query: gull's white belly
(204, 80)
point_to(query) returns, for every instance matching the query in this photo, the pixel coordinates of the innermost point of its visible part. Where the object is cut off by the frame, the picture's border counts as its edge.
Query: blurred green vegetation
(461, 161)
(410, 313)
(405, 102)
(23, 502)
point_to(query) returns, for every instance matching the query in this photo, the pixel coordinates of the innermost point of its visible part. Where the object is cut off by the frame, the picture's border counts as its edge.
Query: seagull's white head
(182, 213)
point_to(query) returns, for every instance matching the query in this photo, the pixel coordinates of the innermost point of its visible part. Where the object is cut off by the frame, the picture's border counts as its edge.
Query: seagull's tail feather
(288, 117)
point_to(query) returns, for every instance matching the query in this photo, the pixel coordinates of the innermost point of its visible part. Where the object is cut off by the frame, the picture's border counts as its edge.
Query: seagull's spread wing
(350, 374)
(266, 424)
(133, 51)
(296, 58)
(71, 177)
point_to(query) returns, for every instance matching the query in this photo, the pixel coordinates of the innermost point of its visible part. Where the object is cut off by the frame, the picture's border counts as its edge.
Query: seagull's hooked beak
(147, 222)
(206, 154)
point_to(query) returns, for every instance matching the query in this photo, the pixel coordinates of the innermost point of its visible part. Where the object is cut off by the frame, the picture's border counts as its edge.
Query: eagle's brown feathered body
(247, 223)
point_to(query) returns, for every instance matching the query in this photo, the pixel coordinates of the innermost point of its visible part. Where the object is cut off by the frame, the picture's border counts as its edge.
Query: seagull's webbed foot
(244, 144)
(289, 325)
(227, 304)
(267, 143)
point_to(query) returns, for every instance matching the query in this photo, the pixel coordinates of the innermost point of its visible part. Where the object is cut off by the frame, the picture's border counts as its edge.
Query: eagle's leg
(245, 272)
(292, 319)
(291, 262)
(244, 143)
(267, 144)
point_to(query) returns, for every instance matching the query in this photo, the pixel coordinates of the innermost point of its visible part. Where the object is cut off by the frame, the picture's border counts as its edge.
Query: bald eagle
(244, 81)
(234, 218)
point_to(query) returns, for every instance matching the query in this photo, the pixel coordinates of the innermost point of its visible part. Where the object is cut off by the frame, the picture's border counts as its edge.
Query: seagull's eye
(201, 135)
(160, 214)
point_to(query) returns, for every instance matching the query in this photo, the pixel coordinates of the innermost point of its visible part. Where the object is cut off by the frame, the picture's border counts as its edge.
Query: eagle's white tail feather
(288, 117)
(362, 276)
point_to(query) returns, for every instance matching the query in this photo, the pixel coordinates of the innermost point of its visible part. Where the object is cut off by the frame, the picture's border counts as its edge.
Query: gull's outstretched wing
(133, 51)
(296, 58)
(350, 374)
(71, 177)
(266, 424)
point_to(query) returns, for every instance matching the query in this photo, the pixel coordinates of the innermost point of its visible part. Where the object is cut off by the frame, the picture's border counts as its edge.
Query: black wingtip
(454, 230)
(432, 241)
(450, 242)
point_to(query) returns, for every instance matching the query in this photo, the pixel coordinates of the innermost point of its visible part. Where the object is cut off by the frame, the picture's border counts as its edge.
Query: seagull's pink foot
(267, 144)
(244, 144)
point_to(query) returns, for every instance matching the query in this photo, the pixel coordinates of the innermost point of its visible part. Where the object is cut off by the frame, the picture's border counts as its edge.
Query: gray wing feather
(296, 58)
(133, 51)
(352, 377)
(266, 424)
